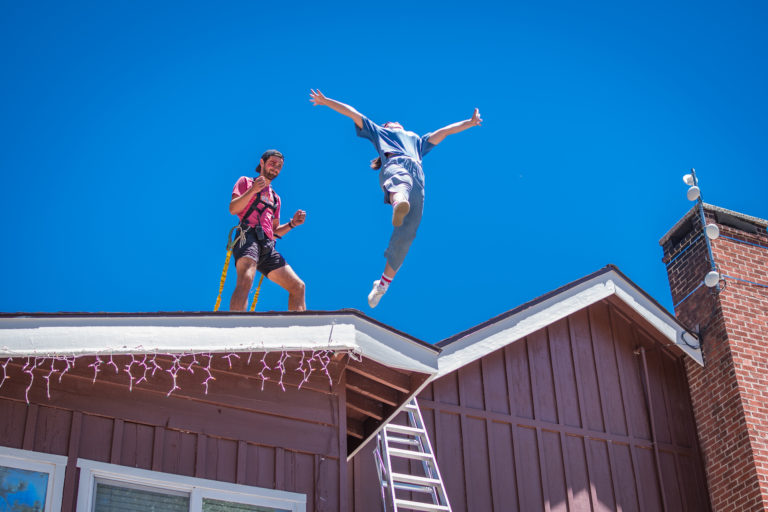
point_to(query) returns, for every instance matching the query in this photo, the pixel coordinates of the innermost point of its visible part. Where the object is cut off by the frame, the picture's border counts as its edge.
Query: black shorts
(262, 252)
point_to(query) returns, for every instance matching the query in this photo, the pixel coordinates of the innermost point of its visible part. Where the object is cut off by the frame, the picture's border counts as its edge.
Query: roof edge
(534, 315)
(715, 209)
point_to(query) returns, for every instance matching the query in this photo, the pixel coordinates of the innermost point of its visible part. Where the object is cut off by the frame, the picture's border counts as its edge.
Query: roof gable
(518, 323)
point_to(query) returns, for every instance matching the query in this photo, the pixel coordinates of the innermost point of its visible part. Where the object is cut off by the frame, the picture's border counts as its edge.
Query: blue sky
(126, 124)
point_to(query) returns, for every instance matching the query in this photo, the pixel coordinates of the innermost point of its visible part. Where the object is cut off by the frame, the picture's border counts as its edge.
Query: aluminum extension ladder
(410, 443)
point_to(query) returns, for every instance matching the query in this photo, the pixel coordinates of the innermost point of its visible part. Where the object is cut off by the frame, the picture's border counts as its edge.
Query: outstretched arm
(317, 98)
(438, 136)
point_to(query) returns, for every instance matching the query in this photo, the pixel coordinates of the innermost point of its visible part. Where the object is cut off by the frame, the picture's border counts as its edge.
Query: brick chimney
(730, 393)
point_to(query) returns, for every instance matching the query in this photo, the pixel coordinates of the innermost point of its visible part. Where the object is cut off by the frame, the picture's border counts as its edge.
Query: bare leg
(287, 278)
(389, 271)
(246, 270)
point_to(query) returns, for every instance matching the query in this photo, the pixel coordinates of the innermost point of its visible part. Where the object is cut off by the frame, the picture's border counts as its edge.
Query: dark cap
(272, 152)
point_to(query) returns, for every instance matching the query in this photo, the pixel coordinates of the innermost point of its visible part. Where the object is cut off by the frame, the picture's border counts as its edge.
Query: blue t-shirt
(395, 142)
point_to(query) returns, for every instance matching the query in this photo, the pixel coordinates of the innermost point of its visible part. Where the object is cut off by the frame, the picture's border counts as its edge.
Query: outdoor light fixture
(693, 193)
(712, 231)
(712, 278)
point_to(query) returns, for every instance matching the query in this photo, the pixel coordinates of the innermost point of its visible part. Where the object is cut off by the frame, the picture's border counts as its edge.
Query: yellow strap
(230, 245)
(256, 295)
(223, 279)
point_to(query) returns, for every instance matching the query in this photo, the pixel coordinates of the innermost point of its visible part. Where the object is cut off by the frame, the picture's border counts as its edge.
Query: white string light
(143, 367)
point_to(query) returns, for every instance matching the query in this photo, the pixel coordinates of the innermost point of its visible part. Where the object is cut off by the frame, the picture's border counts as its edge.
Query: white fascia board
(660, 319)
(139, 335)
(101, 335)
(497, 335)
(393, 350)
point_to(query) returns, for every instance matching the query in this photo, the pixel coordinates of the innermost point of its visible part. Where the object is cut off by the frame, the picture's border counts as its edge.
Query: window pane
(21, 489)
(228, 506)
(110, 498)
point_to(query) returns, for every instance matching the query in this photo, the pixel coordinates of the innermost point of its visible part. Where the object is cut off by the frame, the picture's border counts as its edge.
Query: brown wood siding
(564, 420)
(287, 440)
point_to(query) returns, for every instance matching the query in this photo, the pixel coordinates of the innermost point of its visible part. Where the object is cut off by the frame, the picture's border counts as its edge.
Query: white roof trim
(492, 337)
(102, 334)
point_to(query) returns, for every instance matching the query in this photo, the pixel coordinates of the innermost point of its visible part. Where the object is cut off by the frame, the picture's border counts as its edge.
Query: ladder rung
(418, 505)
(397, 452)
(414, 488)
(403, 440)
(414, 479)
(412, 406)
(401, 429)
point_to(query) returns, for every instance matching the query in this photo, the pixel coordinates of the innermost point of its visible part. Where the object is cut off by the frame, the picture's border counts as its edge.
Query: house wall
(286, 440)
(730, 393)
(588, 414)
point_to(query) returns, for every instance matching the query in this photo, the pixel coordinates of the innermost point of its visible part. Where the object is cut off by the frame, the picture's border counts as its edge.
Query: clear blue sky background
(124, 126)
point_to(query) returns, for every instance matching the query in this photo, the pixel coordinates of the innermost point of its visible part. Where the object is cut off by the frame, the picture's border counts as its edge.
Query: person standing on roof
(400, 176)
(258, 207)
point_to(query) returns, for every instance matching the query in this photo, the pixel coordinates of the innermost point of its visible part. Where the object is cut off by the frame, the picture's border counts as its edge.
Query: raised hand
(317, 98)
(476, 120)
(259, 183)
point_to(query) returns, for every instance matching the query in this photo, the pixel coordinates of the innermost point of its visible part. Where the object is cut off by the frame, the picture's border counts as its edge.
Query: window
(31, 481)
(113, 488)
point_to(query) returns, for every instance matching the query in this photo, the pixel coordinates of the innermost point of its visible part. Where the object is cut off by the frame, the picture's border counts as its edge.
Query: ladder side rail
(380, 469)
(437, 475)
(388, 468)
(417, 422)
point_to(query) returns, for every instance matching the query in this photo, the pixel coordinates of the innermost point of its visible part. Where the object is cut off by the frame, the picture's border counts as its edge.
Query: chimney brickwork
(730, 393)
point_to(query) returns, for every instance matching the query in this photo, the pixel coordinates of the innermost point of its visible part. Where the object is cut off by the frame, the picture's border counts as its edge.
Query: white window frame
(54, 465)
(92, 472)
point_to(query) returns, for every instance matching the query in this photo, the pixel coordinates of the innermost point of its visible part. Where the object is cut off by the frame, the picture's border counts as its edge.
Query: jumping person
(258, 207)
(400, 176)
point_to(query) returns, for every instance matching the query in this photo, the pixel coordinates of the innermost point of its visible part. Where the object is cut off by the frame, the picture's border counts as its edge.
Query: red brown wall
(565, 419)
(730, 394)
(287, 440)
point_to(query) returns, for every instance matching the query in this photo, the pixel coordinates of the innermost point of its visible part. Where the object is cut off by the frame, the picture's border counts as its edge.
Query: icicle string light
(69, 363)
(141, 367)
(30, 371)
(112, 363)
(5, 372)
(95, 365)
(304, 372)
(229, 357)
(281, 366)
(207, 370)
(264, 366)
(143, 364)
(128, 371)
(48, 378)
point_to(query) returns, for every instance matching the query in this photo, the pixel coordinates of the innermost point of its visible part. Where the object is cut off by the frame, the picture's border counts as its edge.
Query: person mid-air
(400, 176)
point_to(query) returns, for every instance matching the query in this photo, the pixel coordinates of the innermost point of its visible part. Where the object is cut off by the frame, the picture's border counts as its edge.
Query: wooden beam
(371, 389)
(364, 405)
(355, 428)
(381, 374)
